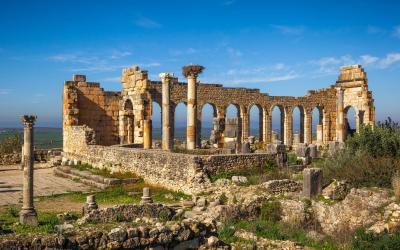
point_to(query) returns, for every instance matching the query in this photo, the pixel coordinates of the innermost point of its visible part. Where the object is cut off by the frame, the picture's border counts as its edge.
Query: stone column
(301, 132)
(312, 182)
(191, 72)
(244, 115)
(267, 125)
(167, 139)
(147, 134)
(28, 215)
(319, 134)
(308, 127)
(340, 133)
(288, 134)
(326, 126)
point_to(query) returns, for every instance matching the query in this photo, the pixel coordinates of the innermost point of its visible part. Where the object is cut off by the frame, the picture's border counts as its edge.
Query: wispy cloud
(147, 23)
(372, 29)
(5, 91)
(233, 52)
(181, 52)
(228, 2)
(289, 30)
(396, 31)
(390, 59)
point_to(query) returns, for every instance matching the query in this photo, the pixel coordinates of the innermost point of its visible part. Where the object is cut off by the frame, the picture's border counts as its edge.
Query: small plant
(270, 165)
(119, 216)
(163, 216)
(12, 211)
(11, 144)
(271, 211)
(234, 200)
(223, 199)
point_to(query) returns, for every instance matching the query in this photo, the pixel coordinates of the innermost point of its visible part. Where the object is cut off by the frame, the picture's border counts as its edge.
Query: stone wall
(85, 103)
(221, 163)
(10, 159)
(181, 172)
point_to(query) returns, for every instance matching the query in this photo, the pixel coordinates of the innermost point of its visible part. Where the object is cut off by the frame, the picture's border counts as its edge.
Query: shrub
(271, 211)
(367, 241)
(396, 184)
(11, 144)
(223, 199)
(360, 169)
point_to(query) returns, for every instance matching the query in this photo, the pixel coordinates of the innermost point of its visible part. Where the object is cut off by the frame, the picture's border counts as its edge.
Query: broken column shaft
(28, 214)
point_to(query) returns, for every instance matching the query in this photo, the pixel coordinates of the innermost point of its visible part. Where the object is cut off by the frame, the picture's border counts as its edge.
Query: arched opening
(180, 125)
(298, 124)
(208, 113)
(350, 121)
(127, 135)
(233, 111)
(256, 121)
(316, 125)
(156, 124)
(278, 120)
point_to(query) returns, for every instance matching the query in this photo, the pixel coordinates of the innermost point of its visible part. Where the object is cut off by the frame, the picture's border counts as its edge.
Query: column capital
(28, 120)
(192, 70)
(166, 76)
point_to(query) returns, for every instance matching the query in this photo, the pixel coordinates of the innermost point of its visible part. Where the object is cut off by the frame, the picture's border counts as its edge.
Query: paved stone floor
(45, 183)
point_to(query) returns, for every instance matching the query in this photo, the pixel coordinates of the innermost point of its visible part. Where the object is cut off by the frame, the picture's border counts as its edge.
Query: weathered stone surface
(312, 182)
(239, 180)
(337, 190)
(281, 186)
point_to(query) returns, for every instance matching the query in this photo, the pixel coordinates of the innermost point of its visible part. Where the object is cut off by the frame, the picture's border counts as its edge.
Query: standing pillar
(147, 140)
(191, 72)
(308, 127)
(326, 127)
(245, 123)
(28, 215)
(288, 140)
(167, 139)
(267, 127)
(340, 127)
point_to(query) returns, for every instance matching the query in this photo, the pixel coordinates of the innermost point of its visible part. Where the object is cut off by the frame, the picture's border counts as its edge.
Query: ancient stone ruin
(114, 129)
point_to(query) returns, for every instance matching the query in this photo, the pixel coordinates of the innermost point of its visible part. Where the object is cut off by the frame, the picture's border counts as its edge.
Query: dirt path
(45, 183)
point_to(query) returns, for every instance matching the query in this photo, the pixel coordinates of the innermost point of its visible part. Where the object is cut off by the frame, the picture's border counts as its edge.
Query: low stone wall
(10, 159)
(220, 163)
(184, 235)
(129, 213)
(181, 172)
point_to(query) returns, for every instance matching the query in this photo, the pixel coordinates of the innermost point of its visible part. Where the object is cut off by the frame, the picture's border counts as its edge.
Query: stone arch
(203, 132)
(127, 122)
(179, 121)
(317, 119)
(351, 121)
(279, 135)
(259, 116)
(156, 120)
(298, 123)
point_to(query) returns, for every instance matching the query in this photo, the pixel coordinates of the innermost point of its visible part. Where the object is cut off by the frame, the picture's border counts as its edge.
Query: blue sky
(280, 47)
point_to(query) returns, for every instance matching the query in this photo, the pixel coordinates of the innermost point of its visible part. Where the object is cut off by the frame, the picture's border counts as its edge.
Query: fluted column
(167, 139)
(191, 72)
(28, 214)
(340, 133)
(308, 126)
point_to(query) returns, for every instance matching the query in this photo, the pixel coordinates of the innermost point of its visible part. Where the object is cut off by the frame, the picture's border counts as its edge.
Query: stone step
(91, 179)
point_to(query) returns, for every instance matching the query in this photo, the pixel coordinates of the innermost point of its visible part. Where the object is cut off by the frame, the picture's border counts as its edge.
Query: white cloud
(389, 60)
(180, 52)
(147, 23)
(116, 54)
(371, 29)
(112, 79)
(266, 79)
(368, 59)
(289, 30)
(228, 2)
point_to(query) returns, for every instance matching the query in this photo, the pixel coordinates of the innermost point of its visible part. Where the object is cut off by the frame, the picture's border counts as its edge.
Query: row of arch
(255, 120)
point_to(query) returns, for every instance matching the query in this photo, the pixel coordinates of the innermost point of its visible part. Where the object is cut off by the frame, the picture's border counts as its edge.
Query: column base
(28, 217)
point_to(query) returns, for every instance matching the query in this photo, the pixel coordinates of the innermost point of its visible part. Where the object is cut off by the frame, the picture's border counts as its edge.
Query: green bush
(367, 241)
(11, 144)
(360, 169)
(382, 140)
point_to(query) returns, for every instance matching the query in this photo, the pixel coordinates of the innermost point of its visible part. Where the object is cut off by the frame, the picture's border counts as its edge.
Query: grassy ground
(256, 175)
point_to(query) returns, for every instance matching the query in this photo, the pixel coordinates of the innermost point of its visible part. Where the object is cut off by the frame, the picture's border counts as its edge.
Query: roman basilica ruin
(126, 117)
(113, 130)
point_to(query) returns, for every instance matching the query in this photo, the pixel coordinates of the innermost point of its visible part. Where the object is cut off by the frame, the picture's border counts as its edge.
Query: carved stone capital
(192, 70)
(166, 76)
(28, 120)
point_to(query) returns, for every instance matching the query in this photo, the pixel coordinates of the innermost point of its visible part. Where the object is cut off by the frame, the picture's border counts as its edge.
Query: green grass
(367, 241)
(120, 195)
(255, 175)
(104, 172)
(292, 159)
(9, 219)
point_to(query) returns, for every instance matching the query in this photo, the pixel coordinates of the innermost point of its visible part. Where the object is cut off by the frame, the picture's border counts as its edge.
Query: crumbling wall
(85, 103)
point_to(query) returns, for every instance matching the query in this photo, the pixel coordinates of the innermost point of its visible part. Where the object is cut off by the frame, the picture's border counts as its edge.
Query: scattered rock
(337, 190)
(239, 180)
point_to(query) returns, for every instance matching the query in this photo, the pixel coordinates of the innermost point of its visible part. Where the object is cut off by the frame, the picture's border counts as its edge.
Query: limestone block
(312, 182)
